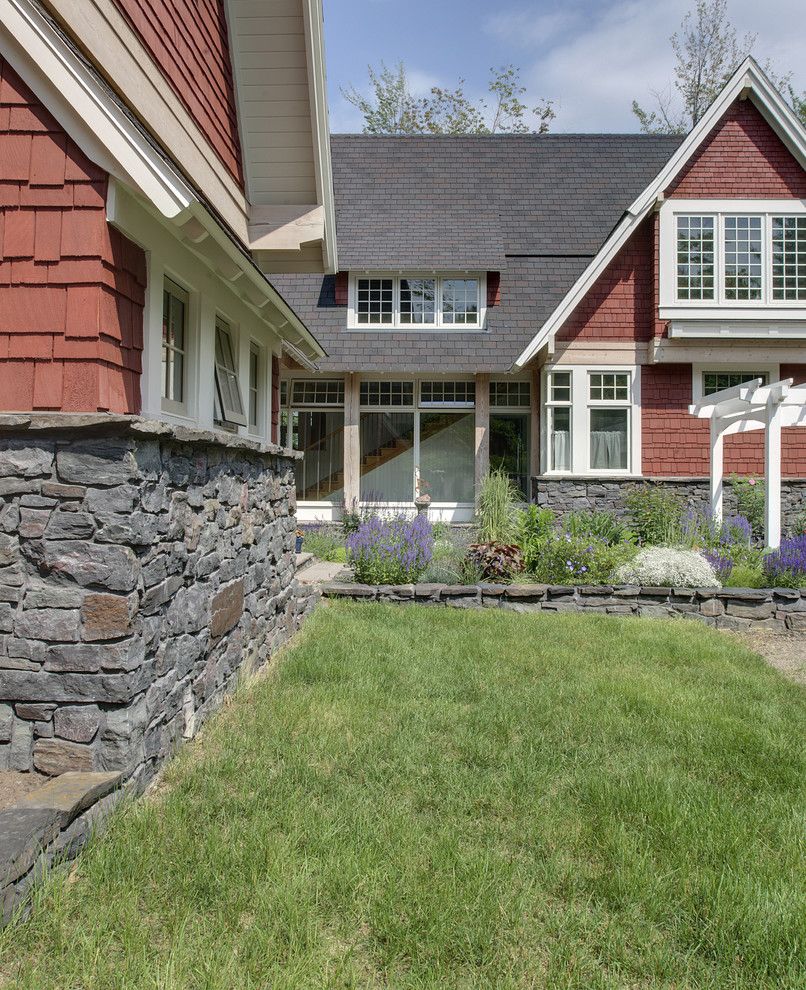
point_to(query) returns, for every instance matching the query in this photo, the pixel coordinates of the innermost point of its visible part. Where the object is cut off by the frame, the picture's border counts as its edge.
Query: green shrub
(495, 561)
(566, 559)
(534, 524)
(656, 514)
(326, 544)
(599, 525)
(750, 501)
(498, 509)
(747, 576)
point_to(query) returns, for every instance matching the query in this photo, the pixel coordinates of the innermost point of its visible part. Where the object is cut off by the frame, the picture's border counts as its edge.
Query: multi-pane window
(695, 257)
(317, 392)
(789, 257)
(609, 385)
(254, 386)
(743, 267)
(383, 393)
(375, 300)
(418, 300)
(716, 381)
(460, 300)
(512, 394)
(447, 393)
(228, 391)
(559, 413)
(174, 342)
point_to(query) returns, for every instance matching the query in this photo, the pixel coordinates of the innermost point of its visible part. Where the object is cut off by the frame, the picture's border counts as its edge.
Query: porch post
(534, 433)
(482, 439)
(352, 442)
(717, 445)
(772, 475)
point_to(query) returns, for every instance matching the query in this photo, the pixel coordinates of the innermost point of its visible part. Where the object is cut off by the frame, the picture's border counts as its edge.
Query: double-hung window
(789, 258)
(229, 402)
(695, 257)
(256, 387)
(174, 346)
(609, 420)
(415, 302)
(560, 414)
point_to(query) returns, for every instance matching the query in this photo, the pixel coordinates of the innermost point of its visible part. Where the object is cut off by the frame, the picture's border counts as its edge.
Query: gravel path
(787, 653)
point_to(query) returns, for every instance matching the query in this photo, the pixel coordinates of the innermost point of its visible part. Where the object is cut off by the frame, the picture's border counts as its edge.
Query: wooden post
(482, 442)
(772, 475)
(534, 433)
(717, 470)
(352, 442)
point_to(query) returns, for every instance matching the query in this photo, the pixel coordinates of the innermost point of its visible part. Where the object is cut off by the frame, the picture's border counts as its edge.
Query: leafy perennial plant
(786, 567)
(390, 551)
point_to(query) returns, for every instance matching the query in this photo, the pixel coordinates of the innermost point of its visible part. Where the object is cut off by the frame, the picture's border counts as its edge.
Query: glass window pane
(418, 300)
(695, 257)
(609, 439)
(375, 299)
(447, 456)
(387, 457)
(447, 393)
(789, 257)
(713, 381)
(560, 442)
(317, 392)
(509, 447)
(319, 434)
(512, 394)
(386, 393)
(743, 257)
(460, 300)
(561, 386)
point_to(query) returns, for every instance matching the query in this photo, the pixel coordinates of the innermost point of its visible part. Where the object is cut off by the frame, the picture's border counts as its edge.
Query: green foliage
(598, 525)
(326, 544)
(656, 514)
(498, 509)
(566, 559)
(747, 575)
(495, 561)
(534, 524)
(393, 109)
(440, 530)
(750, 500)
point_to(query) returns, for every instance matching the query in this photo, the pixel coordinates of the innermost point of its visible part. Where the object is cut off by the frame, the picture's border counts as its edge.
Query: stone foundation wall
(141, 567)
(572, 494)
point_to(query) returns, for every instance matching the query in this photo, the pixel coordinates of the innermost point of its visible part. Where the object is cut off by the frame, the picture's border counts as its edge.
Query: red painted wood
(72, 288)
(493, 288)
(341, 291)
(188, 41)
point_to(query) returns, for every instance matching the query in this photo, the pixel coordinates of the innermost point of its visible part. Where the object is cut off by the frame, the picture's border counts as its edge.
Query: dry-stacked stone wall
(141, 567)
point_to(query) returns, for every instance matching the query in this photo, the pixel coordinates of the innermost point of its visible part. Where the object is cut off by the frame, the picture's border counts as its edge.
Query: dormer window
(417, 302)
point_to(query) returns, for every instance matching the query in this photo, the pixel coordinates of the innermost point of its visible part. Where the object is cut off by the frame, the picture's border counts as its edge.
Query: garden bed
(778, 610)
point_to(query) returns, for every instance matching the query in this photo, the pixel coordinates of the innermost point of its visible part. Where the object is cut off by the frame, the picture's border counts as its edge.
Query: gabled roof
(750, 81)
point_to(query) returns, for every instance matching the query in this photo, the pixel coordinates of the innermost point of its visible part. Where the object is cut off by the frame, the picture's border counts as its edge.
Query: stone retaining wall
(775, 610)
(573, 494)
(141, 566)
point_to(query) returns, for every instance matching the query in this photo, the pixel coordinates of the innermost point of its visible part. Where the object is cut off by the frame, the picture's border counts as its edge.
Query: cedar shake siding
(71, 286)
(742, 158)
(188, 41)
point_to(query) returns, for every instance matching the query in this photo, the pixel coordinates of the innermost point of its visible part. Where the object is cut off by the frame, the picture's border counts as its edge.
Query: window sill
(387, 328)
(733, 311)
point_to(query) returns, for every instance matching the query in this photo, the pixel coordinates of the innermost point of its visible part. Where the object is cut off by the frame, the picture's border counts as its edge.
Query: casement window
(736, 255)
(256, 387)
(448, 393)
(417, 302)
(317, 392)
(174, 346)
(591, 422)
(386, 393)
(229, 401)
(511, 395)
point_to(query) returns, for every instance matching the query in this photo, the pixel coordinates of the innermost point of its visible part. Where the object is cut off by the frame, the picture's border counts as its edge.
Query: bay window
(743, 268)
(417, 302)
(590, 423)
(789, 257)
(695, 257)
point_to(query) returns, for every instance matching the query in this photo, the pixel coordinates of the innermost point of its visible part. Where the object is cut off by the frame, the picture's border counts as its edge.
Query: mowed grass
(422, 798)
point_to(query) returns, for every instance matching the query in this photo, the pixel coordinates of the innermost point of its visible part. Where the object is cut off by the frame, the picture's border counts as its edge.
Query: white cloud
(593, 61)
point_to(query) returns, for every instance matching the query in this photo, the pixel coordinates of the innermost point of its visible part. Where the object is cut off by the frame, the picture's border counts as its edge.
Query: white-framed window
(417, 302)
(257, 387)
(175, 307)
(710, 378)
(746, 258)
(511, 394)
(386, 393)
(591, 421)
(448, 393)
(317, 392)
(228, 398)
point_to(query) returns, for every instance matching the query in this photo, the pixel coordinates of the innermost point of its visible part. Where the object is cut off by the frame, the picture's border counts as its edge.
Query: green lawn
(428, 798)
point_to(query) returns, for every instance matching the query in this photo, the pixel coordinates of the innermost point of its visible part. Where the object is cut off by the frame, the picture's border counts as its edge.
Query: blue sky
(590, 57)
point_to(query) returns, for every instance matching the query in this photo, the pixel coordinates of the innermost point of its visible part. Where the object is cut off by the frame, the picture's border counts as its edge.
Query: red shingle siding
(188, 41)
(72, 288)
(742, 158)
(677, 445)
(619, 305)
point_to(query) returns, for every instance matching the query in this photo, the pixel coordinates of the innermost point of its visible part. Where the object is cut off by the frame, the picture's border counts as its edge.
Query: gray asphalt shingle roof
(535, 207)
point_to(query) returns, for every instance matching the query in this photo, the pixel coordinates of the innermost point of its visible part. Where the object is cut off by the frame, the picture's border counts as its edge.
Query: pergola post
(772, 474)
(717, 469)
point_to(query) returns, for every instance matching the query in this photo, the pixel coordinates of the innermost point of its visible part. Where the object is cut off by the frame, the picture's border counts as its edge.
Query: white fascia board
(313, 19)
(748, 77)
(730, 331)
(77, 98)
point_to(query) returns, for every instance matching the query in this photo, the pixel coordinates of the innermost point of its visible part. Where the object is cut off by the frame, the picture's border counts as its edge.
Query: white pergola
(747, 407)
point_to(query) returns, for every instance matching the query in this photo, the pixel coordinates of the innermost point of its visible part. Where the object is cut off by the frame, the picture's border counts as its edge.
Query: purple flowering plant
(786, 566)
(395, 550)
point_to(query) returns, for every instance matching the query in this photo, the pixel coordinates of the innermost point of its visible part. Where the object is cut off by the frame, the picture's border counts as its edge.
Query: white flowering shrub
(666, 567)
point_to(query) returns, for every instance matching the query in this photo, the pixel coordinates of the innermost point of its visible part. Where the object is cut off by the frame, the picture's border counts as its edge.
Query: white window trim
(697, 370)
(230, 418)
(257, 429)
(580, 406)
(396, 324)
(741, 309)
(183, 410)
